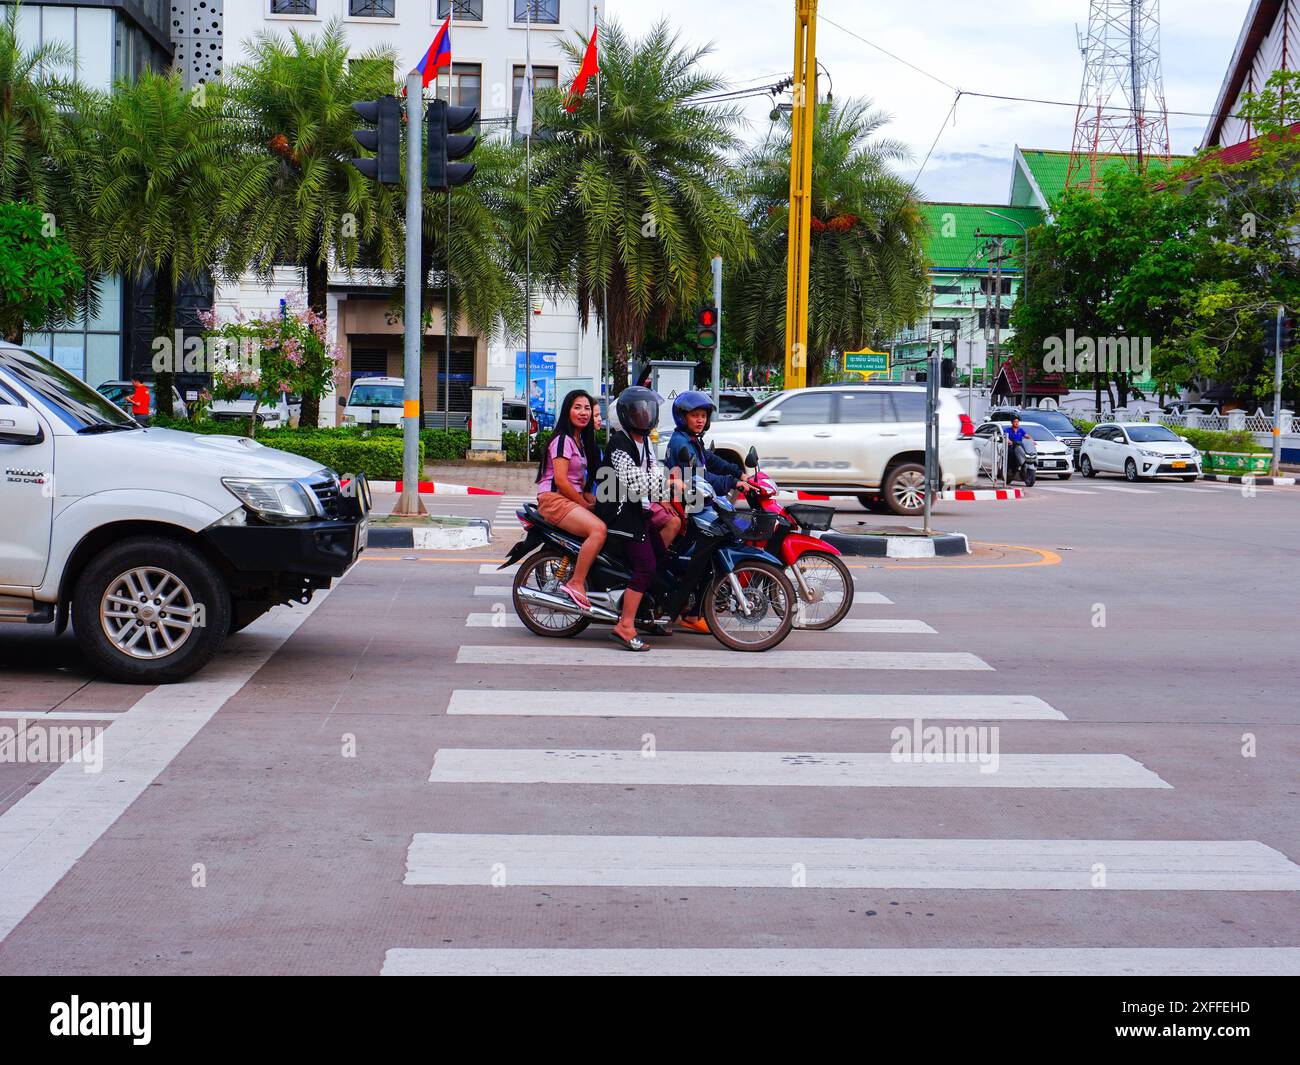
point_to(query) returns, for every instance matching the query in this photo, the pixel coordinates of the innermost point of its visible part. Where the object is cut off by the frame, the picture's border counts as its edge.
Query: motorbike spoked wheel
(830, 581)
(546, 572)
(769, 598)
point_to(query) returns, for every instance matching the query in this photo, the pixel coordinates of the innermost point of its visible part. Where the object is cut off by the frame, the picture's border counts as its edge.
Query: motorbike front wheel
(1030, 476)
(546, 572)
(831, 583)
(766, 616)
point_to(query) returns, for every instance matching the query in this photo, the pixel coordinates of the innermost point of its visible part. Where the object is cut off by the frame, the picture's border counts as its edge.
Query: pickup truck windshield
(376, 396)
(68, 398)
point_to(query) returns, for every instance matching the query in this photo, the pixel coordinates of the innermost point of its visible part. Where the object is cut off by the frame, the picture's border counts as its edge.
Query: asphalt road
(399, 780)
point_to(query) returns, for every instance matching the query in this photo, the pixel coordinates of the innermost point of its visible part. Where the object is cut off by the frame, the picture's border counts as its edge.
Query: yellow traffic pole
(803, 122)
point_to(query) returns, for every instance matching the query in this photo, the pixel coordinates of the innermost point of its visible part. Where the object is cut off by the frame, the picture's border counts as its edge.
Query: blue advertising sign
(535, 381)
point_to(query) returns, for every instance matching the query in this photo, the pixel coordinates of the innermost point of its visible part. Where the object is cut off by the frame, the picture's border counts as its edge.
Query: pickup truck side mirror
(19, 425)
(770, 418)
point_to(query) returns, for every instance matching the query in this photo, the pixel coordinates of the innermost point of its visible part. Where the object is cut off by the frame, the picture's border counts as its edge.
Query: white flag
(524, 120)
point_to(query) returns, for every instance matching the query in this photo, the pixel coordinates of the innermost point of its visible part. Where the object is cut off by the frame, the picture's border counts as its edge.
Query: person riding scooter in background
(629, 482)
(693, 413)
(1015, 441)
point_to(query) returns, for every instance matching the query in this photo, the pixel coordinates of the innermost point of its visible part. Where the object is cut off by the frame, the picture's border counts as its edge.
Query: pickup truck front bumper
(312, 548)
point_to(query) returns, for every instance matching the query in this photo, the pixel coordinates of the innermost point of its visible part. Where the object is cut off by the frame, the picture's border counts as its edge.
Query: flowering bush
(267, 356)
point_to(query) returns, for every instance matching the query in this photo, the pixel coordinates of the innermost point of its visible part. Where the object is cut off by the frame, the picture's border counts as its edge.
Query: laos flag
(438, 55)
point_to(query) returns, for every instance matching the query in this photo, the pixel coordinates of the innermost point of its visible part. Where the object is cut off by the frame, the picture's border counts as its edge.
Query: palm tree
(630, 205)
(33, 102)
(154, 166)
(868, 274)
(303, 202)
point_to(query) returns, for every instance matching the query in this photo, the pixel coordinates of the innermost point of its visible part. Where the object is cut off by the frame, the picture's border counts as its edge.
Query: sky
(1020, 48)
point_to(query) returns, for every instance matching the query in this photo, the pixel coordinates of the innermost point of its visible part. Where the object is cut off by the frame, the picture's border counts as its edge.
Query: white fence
(1234, 420)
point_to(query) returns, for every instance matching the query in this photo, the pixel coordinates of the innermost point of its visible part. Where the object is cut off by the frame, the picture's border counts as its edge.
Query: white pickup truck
(157, 544)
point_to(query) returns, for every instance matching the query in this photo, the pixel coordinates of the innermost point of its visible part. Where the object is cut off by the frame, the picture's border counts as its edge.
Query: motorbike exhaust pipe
(564, 605)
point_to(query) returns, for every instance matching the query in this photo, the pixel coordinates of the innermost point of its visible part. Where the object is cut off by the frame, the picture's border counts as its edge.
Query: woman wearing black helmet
(631, 478)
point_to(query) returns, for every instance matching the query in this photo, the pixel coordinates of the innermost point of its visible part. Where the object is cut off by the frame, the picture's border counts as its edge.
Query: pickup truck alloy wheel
(120, 599)
(147, 612)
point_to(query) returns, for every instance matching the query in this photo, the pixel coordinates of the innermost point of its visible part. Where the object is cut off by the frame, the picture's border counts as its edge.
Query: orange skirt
(554, 507)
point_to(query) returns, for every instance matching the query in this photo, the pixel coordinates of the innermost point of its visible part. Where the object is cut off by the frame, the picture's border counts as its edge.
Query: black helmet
(637, 409)
(689, 401)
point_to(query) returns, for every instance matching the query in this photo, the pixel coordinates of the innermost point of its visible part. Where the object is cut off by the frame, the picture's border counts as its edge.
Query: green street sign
(866, 361)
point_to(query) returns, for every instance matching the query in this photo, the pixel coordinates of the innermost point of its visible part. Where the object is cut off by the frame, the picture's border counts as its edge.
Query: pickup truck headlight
(273, 500)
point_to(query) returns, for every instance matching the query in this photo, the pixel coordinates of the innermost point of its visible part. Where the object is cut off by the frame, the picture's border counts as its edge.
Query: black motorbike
(742, 591)
(1022, 461)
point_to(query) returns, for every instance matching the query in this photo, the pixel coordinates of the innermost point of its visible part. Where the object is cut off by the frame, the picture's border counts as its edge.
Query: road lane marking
(878, 626)
(494, 569)
(50, 828)
(820, 706)
(494, 590)
(919, 864)
(1065, 491)
(1130, 491)
(764, 769)
(832, 961)
(594, 657)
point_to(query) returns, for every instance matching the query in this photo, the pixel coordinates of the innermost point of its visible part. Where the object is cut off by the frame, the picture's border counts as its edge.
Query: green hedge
(379, 458)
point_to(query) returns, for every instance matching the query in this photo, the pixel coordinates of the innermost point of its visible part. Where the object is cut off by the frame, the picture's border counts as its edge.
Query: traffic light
(706, 321)
(446, 144)
(1288, 333)
(385, 140)
(948, 373)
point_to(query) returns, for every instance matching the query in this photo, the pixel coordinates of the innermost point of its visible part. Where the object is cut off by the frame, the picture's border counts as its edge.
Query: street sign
(867, 361)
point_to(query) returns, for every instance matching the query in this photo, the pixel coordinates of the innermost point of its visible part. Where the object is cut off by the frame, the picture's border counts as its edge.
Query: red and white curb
(982, 495)
(435, 488)
(791, 496)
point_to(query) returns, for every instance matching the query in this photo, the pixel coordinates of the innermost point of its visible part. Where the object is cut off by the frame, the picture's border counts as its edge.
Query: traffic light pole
(717, 348)
(410, 503)
(1276, 465)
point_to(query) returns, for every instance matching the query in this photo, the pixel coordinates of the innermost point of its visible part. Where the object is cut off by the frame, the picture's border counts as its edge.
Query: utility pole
(717, 348)
(413, 326)
(1276, 465)
(803, 120)
(997, 296)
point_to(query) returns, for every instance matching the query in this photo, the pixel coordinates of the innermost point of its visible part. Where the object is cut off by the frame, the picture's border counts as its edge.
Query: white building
(1269, 41)
(488, 51)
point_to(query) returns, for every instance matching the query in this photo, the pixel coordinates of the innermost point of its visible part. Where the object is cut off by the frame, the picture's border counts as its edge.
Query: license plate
(1180, 465)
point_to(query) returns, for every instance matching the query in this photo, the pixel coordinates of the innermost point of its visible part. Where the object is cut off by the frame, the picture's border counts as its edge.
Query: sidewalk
(513, 478)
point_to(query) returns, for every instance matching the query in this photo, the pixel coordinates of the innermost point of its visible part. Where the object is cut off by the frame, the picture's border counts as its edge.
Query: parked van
(375, 401)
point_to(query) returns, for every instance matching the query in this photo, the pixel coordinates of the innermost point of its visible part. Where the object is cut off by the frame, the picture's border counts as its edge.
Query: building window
(466, 86)
(372, 8)
(91, 347)
(541, 11)
(466, 10)
(543, 78)
(293, 7)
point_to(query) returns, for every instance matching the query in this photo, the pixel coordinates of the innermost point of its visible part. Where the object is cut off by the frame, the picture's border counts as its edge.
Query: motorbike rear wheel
(771, 601)
(546, 572)
(827, 574)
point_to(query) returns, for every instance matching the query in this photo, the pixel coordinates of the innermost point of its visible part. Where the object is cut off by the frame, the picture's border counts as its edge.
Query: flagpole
(604, 295)
(526, 89)
(448, 324)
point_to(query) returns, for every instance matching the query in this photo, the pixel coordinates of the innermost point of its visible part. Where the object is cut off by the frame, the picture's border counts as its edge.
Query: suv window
(813, 408)
(857, 408)
(909, 406)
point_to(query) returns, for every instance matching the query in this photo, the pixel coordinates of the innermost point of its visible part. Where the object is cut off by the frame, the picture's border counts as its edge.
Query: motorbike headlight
(272, 500)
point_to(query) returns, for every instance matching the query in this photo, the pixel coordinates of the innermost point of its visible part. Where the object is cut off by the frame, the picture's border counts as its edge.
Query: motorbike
(815, 568)
(1024, 461)
(744, 595)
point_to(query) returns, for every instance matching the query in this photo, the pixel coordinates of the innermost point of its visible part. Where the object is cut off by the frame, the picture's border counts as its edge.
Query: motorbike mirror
(751, 460)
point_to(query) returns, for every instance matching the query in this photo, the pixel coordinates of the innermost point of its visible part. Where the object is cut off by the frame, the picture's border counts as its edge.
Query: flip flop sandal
(634, 644)
(576, 596)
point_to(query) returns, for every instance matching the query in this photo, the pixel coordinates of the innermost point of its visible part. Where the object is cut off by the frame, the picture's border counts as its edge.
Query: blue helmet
(689, 401)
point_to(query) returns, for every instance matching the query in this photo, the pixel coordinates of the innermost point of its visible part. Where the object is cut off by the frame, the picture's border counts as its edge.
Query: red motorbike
(820, 577)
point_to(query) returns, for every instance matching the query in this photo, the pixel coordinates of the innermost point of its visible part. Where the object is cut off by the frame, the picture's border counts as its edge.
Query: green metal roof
(952, 243)
(1050, 169)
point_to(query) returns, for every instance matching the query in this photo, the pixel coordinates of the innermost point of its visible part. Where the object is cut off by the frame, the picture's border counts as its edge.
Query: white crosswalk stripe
(596, 657)
(920, 864)
(723, 704)
(841, 769)
(1123, 488)
(877, 626)
(492, 569)
(1065, 491)
(833, 961)
(860, 598)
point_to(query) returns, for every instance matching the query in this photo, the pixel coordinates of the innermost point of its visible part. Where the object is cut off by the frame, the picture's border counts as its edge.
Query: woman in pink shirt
(566, 475)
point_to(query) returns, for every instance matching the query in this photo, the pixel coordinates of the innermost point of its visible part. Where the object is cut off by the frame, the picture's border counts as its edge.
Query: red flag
(590, 66)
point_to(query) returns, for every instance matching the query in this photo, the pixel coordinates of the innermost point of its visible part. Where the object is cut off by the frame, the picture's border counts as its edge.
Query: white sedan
(1054, 455)
(1138, 450)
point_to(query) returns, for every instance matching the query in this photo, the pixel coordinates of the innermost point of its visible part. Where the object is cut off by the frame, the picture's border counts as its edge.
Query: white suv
(853, 440)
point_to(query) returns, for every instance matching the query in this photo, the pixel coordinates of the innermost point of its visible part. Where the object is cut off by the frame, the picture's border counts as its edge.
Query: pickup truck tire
(156, 572)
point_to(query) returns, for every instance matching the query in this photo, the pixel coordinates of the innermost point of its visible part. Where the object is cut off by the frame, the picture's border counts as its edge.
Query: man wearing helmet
(693, 412)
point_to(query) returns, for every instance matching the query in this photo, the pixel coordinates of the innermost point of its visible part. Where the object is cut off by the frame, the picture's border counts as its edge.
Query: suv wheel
(905, 489)
(150, 610)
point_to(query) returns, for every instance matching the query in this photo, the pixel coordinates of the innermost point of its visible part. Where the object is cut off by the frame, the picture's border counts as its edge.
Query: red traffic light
(707, 318)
